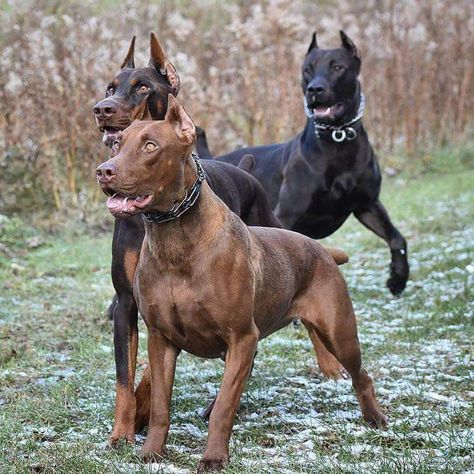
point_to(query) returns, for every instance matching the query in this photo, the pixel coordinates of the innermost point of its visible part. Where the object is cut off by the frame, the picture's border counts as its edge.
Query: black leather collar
(185, 204)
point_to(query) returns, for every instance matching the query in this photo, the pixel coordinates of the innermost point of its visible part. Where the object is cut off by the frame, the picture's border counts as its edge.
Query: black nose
(316, 89)
(104, 111)
(106, 172)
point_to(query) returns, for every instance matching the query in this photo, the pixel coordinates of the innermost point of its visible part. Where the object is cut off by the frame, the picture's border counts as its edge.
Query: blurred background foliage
(239, 62)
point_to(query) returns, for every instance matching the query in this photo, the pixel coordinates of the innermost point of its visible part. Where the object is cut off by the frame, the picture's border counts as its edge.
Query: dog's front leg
(296, 191)
(162, 355)
(125, 344)
(238, 364)
(378, 221)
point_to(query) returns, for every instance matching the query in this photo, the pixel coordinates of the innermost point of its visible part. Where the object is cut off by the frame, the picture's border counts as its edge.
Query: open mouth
(123, 206)
(110, 134)
(325, 111)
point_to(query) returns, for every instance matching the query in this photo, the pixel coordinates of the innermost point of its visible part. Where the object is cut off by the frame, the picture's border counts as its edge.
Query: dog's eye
(150, 146)
(337, 68)
(308, 70)
(110, 91)
(143, 88)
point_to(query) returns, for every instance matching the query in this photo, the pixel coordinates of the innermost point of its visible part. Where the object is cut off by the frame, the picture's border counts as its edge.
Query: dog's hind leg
(329, 365)
(326, 310)
(142, 396)
(376, 219)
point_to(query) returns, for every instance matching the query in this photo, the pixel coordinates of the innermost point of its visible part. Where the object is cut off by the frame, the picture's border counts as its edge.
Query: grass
(57, 369)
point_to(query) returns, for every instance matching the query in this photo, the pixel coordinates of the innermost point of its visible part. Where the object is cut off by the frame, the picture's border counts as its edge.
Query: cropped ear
(180, 121)
(348, 44)
(314, 43)
(129, 60)
(160, 62)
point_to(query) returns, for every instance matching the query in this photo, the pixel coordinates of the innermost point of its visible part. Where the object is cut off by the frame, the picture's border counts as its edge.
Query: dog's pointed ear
(129, 60)
(181, 122)
(313, 44)
(348, 44)
(160, 62)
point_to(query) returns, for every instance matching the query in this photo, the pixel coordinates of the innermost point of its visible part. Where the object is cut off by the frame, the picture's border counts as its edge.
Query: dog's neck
(175, 243)
(352, 112)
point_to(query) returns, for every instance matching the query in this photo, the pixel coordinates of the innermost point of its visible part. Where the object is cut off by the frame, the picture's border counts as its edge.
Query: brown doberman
(208, 284)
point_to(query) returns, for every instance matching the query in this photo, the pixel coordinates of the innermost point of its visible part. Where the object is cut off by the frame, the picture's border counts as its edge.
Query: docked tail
(339, 256)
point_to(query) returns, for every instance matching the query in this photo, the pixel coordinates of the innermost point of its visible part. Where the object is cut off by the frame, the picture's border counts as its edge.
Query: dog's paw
(211, 465)
(118, 437)
(376, 418)
(333, 371)
(149, 455)
(396, 284)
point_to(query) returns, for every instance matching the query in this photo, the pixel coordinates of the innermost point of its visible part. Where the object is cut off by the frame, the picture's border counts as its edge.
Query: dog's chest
(341, 178)
(336, 186)
(178, 307)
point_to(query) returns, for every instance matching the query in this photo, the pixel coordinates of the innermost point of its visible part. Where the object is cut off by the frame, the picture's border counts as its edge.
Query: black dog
(329, 171)
(137, 93)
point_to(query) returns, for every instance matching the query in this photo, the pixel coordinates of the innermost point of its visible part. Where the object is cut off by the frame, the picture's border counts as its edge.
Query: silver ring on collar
(338, 135)
(351, 134)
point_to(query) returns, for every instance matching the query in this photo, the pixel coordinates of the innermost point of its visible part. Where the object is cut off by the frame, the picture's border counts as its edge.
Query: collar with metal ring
(339, 133)
(185, 204)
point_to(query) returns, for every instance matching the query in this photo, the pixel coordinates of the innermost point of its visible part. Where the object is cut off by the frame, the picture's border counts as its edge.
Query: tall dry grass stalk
(240, 65)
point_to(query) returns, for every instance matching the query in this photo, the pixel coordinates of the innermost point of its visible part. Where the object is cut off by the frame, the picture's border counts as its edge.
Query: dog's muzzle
(338, 133)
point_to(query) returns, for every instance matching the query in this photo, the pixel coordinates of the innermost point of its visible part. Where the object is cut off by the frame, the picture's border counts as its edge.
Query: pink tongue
(322, 111)
(120, 204)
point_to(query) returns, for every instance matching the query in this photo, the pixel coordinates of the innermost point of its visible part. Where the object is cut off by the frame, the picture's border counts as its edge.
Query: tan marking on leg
(130, 262)
(125, 402)
(124, 415)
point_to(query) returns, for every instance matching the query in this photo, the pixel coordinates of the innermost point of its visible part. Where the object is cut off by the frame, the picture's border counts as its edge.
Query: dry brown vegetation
(239, 62)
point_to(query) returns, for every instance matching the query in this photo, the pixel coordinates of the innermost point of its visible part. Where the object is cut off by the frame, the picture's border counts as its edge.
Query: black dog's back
(242, 193)
(268, 158)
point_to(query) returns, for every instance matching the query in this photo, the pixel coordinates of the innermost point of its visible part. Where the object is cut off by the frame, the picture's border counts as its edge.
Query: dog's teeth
(328, 110)
(139, 198)
(125, 201)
